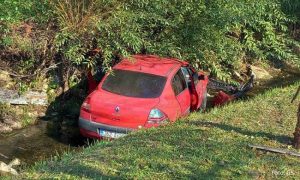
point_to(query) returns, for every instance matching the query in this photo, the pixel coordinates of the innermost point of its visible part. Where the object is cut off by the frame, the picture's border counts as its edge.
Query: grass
(202, 146)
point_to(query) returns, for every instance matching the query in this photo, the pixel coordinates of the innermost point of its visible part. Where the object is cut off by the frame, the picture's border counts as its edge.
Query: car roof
(150, 64)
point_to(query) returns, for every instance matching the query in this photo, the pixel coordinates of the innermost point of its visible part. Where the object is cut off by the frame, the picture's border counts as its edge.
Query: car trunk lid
(116, 110)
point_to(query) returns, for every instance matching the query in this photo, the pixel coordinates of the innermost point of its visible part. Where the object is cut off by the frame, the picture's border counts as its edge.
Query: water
(35, 143)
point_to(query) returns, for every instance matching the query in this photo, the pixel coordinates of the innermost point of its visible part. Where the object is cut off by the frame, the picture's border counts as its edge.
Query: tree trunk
(297, 131)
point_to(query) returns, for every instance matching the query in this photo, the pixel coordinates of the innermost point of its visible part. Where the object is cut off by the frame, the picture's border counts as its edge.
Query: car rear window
(134, 84)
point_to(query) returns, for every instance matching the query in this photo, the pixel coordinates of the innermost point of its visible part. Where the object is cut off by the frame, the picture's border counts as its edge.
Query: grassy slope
(206, 145)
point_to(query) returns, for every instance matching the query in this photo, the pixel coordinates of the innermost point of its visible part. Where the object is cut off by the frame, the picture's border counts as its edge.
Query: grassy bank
(209, 145)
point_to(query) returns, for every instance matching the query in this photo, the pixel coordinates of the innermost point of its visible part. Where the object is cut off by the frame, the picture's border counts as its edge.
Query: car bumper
(90, 128)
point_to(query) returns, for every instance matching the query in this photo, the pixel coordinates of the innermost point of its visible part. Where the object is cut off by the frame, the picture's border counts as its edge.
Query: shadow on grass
(215, 172)
(75, 171)
(279, 138)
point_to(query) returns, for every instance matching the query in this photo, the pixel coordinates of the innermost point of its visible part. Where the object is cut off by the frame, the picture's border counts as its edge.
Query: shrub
(213, 35)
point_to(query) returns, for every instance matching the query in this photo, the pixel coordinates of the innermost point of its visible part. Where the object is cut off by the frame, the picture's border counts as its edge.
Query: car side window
(186, 74)
(178, 83)
(195, 76)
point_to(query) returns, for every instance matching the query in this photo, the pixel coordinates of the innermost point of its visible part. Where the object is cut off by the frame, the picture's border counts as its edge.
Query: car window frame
(186, 86)
(191, 73)
(185, 70)
(124, 70)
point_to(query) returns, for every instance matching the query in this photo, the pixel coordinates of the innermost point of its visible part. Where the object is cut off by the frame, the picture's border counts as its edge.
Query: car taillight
(86, 105)
(156, 117)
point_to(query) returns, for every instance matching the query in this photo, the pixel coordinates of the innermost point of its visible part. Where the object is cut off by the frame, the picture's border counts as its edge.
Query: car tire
(204, 101)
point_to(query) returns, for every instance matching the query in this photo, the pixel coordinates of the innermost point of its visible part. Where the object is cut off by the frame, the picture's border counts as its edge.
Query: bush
(24, 38)
(213, 35)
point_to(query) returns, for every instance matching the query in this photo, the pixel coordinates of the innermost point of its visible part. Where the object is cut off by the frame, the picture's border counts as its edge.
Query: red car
(142, 92)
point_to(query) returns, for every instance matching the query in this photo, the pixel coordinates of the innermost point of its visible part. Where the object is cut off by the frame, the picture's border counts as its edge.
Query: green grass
(201, 146)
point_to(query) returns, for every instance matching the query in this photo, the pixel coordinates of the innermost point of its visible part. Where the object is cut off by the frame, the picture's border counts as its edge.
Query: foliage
(198, 31)
(24, 36)
(14, 11)
(291, 7)
(217, 36)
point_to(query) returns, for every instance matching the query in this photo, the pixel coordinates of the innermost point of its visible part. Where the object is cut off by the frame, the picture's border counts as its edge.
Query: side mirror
(201, 77)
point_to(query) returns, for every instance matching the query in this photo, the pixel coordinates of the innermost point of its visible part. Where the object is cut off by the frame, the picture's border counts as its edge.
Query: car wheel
(204, 101)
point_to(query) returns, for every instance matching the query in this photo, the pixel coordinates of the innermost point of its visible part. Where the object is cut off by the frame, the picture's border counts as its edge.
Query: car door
(199, 87)
(193, 89)
(181, 90)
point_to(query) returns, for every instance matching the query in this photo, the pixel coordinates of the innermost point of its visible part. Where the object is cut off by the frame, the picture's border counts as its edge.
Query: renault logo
(117, 109)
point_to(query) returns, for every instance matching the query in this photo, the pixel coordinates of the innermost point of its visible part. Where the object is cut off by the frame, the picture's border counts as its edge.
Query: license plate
(110, 134)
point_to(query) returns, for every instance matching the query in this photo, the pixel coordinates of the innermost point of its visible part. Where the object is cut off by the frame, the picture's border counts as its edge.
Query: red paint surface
(222, 98)
(134, 112)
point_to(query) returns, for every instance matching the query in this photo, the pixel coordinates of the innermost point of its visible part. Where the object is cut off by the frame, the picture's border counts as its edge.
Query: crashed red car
(141, 92)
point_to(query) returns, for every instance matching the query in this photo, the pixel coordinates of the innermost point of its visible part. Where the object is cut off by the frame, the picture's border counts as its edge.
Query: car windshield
(134, 84)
